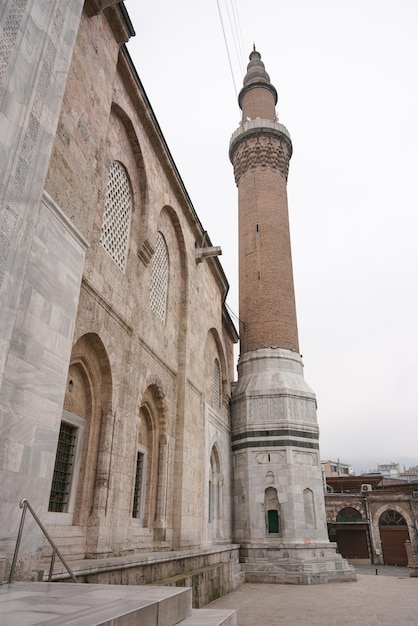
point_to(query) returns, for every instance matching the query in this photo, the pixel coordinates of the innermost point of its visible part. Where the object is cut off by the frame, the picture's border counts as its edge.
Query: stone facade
(116, 346)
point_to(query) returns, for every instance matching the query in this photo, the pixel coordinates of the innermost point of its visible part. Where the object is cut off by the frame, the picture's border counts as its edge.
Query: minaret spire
(260, 150)
(279, 510)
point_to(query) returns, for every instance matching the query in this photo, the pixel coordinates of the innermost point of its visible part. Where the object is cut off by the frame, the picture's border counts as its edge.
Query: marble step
(72, 604)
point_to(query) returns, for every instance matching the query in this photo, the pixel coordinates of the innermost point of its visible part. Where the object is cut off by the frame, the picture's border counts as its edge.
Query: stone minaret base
(284, 563)
(279, 509)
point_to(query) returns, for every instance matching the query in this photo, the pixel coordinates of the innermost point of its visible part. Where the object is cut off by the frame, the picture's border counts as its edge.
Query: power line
(234, 315)
(241, 55)
(227, 49)
(234, 31)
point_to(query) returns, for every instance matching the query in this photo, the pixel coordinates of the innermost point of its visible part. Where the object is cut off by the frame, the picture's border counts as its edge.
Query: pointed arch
(132, 137)
(85, 426)
(216, 380)
(150, 463)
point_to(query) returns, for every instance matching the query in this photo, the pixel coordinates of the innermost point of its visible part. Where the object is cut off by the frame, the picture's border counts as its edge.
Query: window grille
(391, 518)
(159, 278)
(63, 470)
(216, 384)
(136, 507)
(117, 215)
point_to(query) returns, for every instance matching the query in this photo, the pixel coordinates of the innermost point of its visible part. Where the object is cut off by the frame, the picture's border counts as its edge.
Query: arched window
(348, 514)
(308, 505)
(391, 518)
(159, 278)
(272, 511)
(216, 390)
(117, 215)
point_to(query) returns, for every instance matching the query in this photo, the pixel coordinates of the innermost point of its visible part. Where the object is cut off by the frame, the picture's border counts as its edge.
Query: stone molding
(59, 215)
(105, 304)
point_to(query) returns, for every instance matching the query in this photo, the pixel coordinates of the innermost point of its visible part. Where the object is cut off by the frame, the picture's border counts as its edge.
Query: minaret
(279, 509)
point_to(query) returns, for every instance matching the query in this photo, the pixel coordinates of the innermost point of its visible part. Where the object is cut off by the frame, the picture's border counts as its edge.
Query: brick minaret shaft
(260, 151)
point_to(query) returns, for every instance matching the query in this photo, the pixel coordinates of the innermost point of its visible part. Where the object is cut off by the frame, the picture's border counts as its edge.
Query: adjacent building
(373, 520)
(336, 468)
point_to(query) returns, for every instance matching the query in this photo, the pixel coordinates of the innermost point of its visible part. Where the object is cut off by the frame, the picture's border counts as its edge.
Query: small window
(139, 479)
(159, 278)
(117, 215)
(216, 384)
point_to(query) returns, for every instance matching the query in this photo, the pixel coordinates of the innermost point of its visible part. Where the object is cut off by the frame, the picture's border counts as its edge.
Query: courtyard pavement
(389, 598)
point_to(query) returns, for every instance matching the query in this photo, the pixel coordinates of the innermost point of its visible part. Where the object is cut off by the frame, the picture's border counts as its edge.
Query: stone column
(161, 509)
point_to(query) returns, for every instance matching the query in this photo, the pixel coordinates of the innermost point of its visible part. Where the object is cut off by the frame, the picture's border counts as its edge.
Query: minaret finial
(253, 46)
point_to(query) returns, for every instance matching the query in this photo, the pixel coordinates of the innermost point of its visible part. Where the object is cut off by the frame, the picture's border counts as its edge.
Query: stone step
(71, 604)
(210, 617)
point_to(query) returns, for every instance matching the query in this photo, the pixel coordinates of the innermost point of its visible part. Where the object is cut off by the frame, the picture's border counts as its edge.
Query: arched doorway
(393, 534)
(351, 534)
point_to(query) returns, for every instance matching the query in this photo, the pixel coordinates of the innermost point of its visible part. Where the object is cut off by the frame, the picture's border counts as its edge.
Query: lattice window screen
(117, 215)
(216, 384)
(159, 278)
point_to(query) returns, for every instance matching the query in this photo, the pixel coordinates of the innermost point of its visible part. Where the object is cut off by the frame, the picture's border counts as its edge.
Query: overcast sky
(346, 75)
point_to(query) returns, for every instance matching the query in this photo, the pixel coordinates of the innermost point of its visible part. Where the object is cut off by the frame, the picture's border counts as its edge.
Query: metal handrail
(24, 504)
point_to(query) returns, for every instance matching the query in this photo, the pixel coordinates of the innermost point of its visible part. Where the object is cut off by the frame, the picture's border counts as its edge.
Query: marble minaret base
(279, 509)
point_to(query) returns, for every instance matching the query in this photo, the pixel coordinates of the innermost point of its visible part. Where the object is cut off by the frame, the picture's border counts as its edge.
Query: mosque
(121, 420)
